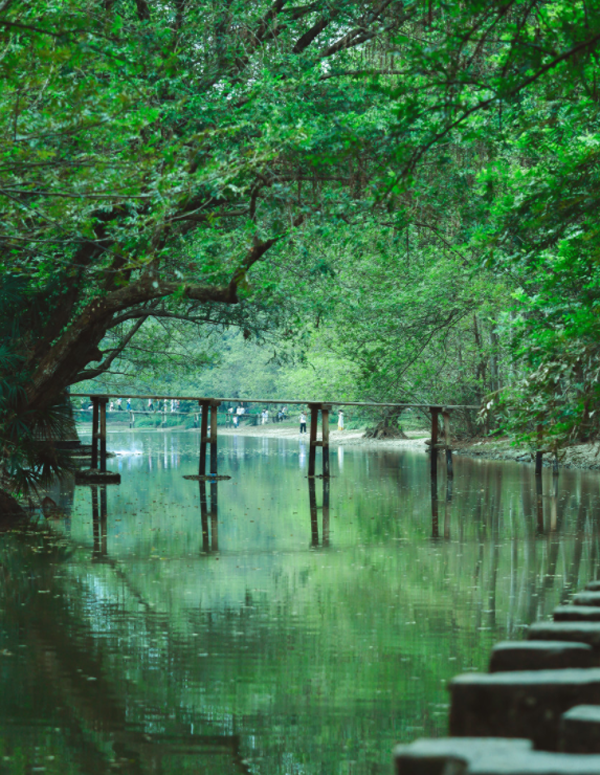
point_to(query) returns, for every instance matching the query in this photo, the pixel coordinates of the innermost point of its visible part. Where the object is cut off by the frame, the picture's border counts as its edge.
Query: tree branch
(105, 365)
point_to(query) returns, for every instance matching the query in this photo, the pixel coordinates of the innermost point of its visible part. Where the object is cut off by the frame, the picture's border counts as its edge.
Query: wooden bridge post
(203, 436)
(435, 411)
(312, 449)
(214, 405)
(448, 442)
(102, 401)
(325, 426)
(95, 432)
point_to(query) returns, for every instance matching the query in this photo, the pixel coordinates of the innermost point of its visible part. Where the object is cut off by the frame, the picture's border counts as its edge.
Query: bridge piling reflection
(99, 522)
(314, 517)
(210, 536)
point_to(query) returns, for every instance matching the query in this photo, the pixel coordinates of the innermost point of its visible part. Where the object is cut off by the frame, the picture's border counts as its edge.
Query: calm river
(150, 630)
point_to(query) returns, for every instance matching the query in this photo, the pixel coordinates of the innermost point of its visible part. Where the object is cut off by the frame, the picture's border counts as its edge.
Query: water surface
(161, 627)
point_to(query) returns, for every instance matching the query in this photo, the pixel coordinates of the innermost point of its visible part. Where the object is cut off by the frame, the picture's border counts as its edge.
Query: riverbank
(347, 438)
(584, 456)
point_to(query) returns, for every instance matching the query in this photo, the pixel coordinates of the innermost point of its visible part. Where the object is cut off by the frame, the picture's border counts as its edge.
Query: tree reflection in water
(125, 647)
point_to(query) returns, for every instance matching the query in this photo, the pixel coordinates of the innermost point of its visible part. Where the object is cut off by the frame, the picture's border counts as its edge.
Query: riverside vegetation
(388, 200)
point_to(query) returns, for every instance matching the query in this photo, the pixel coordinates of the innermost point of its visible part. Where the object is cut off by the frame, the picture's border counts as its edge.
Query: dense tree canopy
(408, 187)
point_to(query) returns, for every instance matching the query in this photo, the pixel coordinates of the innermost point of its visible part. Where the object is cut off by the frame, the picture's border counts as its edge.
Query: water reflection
(314, 516)
(213, 544)
(131, 647)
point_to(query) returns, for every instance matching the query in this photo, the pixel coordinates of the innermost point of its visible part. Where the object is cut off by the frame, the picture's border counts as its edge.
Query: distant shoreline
(581, 456)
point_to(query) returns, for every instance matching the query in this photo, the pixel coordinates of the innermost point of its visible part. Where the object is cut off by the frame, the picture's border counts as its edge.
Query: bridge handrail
(305, 402)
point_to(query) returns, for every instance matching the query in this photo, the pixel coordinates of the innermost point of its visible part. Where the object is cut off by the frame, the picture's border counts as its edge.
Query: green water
(148, 630)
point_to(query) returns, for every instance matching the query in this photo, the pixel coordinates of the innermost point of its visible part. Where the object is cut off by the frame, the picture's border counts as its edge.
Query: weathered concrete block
(576, 613)
(431, 757)
(586, 598)
(580, 632)
(540, 655)
(580, 730)
(525, 703)
(593, 586)
(533, 763)
(487, 756)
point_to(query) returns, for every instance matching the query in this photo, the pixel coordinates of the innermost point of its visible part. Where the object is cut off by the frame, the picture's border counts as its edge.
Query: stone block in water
(487, 756)
(576, 613)
(525, 703)
(579, 632)
(533, 763)
(580, 730)
(586, 598)
(431, 757)
(540, 655)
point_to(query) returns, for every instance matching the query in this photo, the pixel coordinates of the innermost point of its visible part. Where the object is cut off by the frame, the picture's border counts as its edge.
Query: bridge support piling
(206, 438)
(312, 449)
(435, 412)
(95, 432)
(447, 443)
(102, 401)
(213, 439)
(325, 426)
(314, 442)
(203, 436)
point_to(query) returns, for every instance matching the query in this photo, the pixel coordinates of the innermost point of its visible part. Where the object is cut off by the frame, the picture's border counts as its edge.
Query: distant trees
(203, 162)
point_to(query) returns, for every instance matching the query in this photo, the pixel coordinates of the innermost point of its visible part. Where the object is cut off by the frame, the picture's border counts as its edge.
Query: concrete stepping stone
(580, 730)
(579, 632)
(576, 613)
(540, 655)
(430, 757)
(526, 703)
(534, 763)
(487, 756)
(593, 586)
(586, 598)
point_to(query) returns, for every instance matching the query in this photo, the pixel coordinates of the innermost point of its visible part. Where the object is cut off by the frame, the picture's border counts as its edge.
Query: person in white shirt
(340, 420)
(302, 422)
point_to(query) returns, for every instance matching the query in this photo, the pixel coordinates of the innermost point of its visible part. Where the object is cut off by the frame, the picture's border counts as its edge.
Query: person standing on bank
(302, 422)
(340, 420)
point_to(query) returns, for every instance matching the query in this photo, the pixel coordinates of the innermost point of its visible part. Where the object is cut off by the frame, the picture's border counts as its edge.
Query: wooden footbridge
(440, 437)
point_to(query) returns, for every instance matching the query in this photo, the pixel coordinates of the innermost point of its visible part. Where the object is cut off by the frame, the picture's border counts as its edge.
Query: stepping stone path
(545, 689)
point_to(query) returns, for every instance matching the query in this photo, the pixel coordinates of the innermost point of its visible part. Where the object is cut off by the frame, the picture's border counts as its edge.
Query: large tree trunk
(78, 345)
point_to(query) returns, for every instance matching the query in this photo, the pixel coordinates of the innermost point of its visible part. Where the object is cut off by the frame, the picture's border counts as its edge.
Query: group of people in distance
(236, 414)
(168, 404)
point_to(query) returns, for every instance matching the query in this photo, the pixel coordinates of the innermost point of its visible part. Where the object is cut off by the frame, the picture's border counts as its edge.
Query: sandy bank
(345, 438)
(585, 456)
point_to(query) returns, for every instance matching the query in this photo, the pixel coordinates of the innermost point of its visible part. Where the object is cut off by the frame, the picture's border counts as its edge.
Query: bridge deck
(292, 401)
